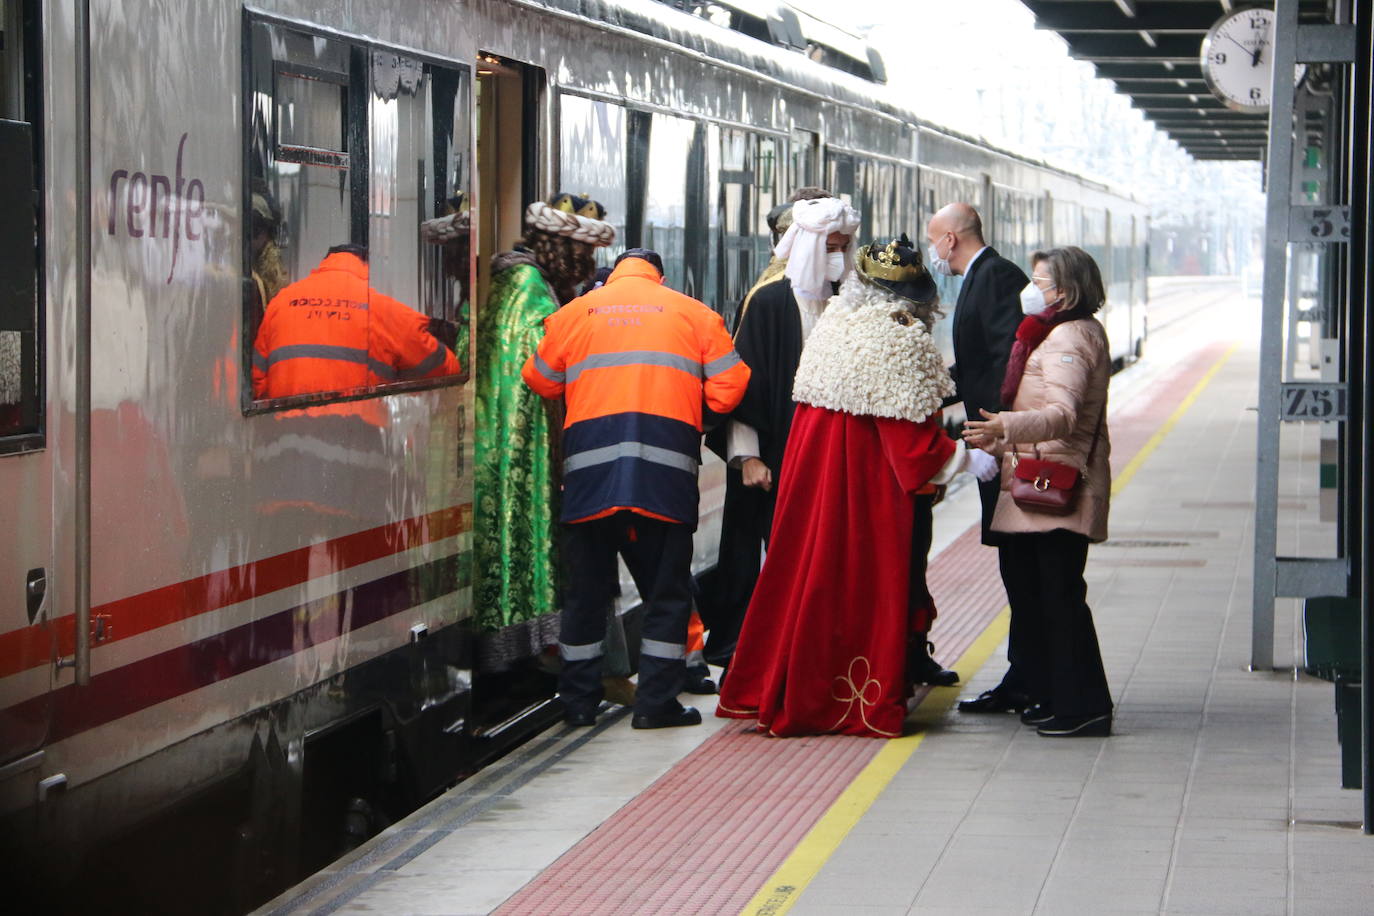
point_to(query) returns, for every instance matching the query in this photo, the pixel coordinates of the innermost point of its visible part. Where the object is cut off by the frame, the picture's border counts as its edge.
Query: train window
(803, 150)
(701, 217)
(21, 338)
(878, 199)
(737, 225)
(840, 169)
(666, 194)
(348, 144)
(766, 196)
(592, 141)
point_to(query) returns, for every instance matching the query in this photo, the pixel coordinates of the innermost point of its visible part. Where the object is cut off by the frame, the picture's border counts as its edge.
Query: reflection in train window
(592, 137)
(349, 143)
(665, 197)
(767, 194)
(21, 338)
(737, 227)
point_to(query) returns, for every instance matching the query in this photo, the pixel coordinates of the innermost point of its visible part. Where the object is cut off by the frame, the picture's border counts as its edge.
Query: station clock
(1237, 59)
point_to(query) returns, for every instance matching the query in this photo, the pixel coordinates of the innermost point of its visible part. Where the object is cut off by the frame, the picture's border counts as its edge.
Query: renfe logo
(153, 203)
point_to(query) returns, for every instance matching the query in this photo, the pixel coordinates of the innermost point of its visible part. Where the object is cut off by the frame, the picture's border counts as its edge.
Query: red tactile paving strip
(707, 835)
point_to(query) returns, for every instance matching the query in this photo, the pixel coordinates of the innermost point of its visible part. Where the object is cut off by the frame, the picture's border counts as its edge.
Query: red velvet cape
(823, 644)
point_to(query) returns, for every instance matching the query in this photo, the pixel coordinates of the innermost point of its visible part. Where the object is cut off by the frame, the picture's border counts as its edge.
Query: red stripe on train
(27, 648)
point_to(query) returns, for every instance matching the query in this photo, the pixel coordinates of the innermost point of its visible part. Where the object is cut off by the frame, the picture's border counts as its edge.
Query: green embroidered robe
(514, 519)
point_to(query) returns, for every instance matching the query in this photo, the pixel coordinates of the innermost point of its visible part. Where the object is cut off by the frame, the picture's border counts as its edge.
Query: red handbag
(1047, 487)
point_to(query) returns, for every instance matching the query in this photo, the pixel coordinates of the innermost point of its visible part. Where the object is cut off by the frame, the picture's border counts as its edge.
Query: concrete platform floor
(1217, 794)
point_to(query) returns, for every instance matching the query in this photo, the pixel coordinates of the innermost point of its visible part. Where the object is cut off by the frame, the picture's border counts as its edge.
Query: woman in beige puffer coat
(1057, 387)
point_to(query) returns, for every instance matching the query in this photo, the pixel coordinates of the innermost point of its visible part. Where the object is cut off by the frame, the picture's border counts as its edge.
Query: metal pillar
(1286, 221)
(1360, 521)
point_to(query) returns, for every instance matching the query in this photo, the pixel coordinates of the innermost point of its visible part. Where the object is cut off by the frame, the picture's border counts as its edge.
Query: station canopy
(1151, 50)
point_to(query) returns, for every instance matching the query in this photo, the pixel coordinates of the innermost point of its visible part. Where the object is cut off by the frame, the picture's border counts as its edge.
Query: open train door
(509, 96)
(28, 645)
(512, 694)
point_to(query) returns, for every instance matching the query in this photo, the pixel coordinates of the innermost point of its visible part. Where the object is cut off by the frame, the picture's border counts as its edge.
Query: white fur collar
(861, 361)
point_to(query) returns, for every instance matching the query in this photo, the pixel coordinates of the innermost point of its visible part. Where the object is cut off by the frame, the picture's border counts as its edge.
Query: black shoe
(1038, 714)
(701, 686)
(921, 668)
(687, 715)
(579, 718)
(1099, 726)
(996, 700)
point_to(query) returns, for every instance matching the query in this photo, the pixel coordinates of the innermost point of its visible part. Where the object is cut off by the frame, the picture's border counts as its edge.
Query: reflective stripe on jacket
(635, 361)
(332, 332)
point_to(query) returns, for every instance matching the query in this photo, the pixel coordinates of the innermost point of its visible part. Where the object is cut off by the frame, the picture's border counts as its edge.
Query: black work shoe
(702, 687)
(1099, 726)
(699, 683)
(687, 715)
(996, 700)
(579, 718)
(921, 668)
(1038, 714)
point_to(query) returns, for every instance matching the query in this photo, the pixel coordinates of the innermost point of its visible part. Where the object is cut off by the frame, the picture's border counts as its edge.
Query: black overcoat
(986, 316)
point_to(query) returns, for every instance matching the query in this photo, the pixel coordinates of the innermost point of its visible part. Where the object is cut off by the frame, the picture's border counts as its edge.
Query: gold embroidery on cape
(859, 685)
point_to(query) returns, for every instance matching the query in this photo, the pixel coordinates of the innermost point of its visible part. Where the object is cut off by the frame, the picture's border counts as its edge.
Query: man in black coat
(770, 328)
(986, 316)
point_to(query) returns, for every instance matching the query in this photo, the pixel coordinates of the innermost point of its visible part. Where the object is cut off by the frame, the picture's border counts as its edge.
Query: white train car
(255, 617)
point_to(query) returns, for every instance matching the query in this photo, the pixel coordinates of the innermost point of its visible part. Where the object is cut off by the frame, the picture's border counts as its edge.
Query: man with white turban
(813, 256)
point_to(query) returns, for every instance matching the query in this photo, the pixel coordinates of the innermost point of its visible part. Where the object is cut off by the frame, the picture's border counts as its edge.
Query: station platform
(1218, 793)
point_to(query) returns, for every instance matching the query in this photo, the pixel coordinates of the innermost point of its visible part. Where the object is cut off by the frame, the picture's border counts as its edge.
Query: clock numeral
(1219, 57)
(1256, 94)
(1258, 23)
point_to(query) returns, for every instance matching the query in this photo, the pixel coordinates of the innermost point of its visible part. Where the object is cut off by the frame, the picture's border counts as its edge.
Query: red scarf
(1030, 334)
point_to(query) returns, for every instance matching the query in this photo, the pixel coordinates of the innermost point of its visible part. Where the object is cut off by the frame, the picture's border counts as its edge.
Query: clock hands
(1254, 55)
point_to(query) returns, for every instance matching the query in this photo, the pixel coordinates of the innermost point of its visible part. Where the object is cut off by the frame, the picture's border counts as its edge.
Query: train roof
(771, 59)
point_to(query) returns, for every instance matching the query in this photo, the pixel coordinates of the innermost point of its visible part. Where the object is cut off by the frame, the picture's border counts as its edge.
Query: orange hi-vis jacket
(332, 332)
(635, 360)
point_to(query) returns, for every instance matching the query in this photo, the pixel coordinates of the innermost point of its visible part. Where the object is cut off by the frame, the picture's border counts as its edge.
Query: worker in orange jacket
(333, 332)
(634, 362)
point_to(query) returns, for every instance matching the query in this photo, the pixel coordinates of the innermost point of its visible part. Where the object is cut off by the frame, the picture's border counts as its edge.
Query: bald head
(956, 232)
(961, 219)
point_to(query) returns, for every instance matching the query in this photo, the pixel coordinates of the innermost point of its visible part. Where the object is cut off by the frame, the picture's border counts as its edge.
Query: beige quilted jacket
(1063, 395)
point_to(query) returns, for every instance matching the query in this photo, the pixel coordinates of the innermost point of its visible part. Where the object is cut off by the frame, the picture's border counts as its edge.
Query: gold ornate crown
(581, 205)
(885, 264)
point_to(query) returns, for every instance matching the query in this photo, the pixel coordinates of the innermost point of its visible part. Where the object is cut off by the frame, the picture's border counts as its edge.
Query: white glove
(982, 465)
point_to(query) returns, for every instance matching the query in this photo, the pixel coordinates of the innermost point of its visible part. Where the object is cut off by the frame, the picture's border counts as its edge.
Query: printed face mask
(1033, 300)
(834, 266)
(938, 264)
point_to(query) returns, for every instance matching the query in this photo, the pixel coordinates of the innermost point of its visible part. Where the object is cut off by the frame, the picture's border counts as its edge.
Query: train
(238, 620)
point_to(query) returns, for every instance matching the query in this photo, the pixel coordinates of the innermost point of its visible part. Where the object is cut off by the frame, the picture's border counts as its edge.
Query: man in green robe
(515, 462)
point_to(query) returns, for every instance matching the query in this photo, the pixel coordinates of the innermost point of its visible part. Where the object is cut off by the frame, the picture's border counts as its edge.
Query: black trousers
(922, 534)
(1053, 644)
(659, 557)
(744, 532)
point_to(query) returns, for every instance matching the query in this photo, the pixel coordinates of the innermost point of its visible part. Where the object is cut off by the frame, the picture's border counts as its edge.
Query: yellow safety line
(785, 885)
(1134, 464)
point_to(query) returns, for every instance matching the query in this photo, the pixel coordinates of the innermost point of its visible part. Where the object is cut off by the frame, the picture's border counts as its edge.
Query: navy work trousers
(659, 557)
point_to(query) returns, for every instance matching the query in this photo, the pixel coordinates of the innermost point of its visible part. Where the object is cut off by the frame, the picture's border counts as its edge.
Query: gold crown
(885, 265)
(567, 203)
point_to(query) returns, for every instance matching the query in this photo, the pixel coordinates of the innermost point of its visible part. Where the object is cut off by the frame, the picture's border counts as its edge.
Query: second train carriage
(259, 612)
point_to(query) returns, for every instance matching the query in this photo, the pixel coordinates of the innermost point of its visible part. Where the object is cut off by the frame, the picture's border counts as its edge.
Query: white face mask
(834, 266)
(938, 264)
(1033, 300)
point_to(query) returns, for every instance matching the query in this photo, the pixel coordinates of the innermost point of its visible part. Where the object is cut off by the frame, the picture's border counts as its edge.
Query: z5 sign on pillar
(156, 209)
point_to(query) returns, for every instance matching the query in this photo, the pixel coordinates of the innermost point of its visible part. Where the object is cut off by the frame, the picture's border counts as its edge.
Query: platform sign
(1314, 401)
(1319, 224)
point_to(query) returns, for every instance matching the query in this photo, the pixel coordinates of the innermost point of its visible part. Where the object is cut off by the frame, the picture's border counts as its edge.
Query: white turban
(803, 245)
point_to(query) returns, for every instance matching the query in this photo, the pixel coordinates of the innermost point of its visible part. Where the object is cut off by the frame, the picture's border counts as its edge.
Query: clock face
(1237, 59)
